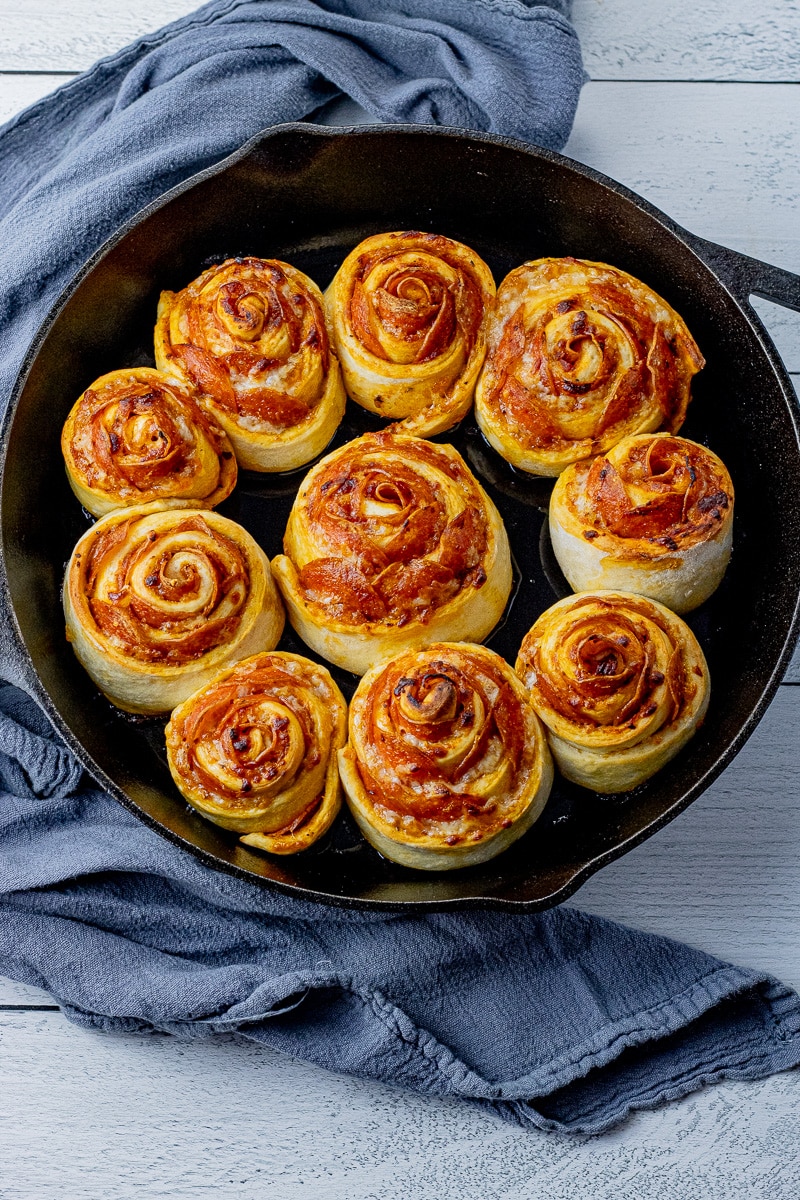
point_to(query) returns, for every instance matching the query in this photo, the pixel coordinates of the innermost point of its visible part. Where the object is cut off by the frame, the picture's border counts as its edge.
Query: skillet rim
(708, 255)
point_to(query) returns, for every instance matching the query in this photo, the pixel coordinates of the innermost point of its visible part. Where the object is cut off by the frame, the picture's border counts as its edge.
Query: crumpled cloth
(83, 160)
(556, 1020)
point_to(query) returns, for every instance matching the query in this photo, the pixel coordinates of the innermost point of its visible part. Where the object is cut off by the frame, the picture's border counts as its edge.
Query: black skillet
(307, 195)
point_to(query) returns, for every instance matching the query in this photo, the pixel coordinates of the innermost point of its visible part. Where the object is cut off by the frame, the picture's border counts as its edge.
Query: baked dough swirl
(620, 682)
(250, 334)
(157, 601)
(136, 436)
(407, 314)
(255, 750)
(654, 515)
(392, 543)
(446, 763)
(580, 354)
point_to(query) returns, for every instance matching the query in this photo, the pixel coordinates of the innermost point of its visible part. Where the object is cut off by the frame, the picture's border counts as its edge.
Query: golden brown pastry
(136, 436)
(392, 543)
(620, 682)
(447, 763)
(654, 515)
(407, 314)
(158, 601)
(250, 334)
(580, 355)
(255, 750)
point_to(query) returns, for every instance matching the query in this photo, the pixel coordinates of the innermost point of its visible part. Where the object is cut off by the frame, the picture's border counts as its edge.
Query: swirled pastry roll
(250, 334)
(407, 314)
(580, 355)
(136, 436)
(255, 750)
(446, 763)
(620, 682)
(392, 543)
(158, 601)
(654, 515)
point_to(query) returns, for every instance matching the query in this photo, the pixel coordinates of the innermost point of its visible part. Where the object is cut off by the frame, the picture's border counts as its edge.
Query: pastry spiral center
(177, 576)
(171, 595)
(144, 436)
(585, 349)
(258, 745)
(604, 664)
(429, 700)
(438, 713)
(395, 513)
(243, 312)
(409, 307)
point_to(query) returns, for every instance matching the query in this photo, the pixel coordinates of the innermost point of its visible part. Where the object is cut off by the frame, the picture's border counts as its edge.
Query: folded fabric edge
(772, 1045)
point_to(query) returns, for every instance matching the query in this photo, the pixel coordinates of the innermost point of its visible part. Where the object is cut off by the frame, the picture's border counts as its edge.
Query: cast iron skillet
(307, 195)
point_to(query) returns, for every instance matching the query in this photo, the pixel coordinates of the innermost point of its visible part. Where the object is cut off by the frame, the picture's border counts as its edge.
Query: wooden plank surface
(112, 1117)
(721, 159)
(20, 995)
(18, 91)
(676, 39)
(39, 35)
(687, 40)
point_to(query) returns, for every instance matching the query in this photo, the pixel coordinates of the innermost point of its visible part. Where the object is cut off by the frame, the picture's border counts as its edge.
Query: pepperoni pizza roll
(446, 763)
(250, 335)
(620, 682)
(392, 543)
(580, 355)
(407, 313)
(158, 601)
(654, 515)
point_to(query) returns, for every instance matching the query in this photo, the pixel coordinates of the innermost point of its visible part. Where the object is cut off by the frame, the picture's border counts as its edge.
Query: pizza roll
(620, 682)
(250, 335)
(136, 436)
(392, 543)
(255, 750)
(446, 763)
(158, 601)
(407, 314)
(654, 515)
(580, 355)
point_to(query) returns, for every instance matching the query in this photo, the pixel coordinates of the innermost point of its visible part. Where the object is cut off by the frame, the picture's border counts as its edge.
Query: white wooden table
(697, 107)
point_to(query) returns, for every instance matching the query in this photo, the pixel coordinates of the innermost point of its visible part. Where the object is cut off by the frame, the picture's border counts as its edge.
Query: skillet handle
(746, 277)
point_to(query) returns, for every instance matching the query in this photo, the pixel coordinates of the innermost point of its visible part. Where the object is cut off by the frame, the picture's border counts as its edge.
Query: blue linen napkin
(558, 1020)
